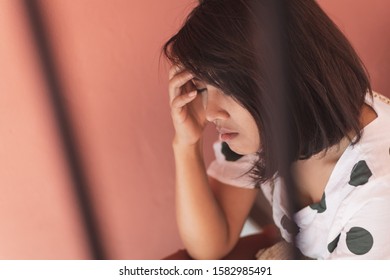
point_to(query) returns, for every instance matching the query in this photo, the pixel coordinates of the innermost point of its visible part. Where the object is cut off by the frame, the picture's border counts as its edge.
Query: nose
(214, 108)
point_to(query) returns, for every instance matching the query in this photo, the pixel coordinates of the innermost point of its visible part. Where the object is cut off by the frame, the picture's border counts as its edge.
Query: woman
(338, 131)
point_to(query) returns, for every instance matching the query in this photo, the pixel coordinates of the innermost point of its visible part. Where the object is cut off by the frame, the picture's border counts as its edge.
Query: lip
(223, 130)
(226, 134)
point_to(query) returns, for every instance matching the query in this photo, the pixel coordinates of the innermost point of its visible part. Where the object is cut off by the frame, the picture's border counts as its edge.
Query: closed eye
(201, 90)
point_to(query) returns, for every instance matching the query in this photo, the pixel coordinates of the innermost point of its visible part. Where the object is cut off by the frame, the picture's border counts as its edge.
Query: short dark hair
(328, 81)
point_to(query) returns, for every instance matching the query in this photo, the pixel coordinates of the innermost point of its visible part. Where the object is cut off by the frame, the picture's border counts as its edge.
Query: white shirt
(352, 221)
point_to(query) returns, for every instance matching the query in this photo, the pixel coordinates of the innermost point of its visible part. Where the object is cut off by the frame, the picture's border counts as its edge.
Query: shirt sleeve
(231, 168)
(366, 234)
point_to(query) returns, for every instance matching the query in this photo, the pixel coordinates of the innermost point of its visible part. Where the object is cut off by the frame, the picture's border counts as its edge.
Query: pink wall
(367, 25)
(37, 214)
(108, 57)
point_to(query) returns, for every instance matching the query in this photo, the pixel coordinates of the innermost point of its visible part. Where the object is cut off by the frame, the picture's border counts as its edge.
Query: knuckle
(175, 103)
(171, 72)
(180, 79)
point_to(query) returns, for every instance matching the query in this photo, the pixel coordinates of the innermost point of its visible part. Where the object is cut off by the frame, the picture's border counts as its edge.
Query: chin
(242, 149)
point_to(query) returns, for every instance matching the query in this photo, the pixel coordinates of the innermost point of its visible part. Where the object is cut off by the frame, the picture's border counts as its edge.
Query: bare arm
(210, 214)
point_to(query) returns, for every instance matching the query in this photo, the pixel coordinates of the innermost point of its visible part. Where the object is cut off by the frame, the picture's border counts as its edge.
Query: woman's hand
(187, 110)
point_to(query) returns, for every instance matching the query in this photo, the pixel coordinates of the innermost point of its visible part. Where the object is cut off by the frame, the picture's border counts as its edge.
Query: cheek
(249, 140)
(252, 136)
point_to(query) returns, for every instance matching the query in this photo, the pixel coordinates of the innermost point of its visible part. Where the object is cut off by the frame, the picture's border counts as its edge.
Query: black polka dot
(359, 240)
(320, 206)
(360, 174)
(228, 153)
(332, 245)
(289, 225)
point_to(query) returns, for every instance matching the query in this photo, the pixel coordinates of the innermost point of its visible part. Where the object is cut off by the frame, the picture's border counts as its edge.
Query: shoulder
(364, 223)
(361, 221)
(374, 146)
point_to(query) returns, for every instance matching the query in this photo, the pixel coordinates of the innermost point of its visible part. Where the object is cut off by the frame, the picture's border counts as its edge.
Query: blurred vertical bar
(283, 97)
(55, 92)
(274, 15)
(285, 129)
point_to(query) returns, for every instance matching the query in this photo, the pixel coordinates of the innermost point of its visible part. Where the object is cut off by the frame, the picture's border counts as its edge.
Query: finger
(175, 69)
(177, 82)
(179, 102)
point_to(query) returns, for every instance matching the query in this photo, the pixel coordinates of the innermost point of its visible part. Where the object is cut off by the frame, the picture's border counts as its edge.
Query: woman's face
(234, 123)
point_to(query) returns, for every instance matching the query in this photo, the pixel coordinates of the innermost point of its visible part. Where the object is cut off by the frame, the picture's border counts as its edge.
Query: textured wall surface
(107, 54)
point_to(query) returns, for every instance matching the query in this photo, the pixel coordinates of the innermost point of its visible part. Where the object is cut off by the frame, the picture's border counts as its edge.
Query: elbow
(213, 252)
(205, 255)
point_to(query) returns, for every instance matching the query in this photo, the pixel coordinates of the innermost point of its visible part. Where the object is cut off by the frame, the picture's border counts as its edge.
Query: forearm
(202, 224)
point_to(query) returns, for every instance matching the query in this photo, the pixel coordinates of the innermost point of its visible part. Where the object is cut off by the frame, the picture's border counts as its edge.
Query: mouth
(226, 134)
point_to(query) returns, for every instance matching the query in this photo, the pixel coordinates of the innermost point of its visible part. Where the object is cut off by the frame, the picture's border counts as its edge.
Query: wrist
(179, 146)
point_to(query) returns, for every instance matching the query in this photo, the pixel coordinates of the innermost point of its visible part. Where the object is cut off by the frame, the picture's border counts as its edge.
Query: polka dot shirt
(352, 220)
